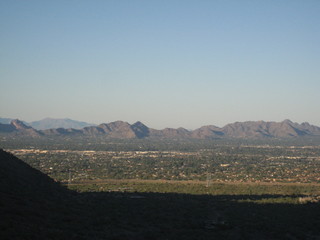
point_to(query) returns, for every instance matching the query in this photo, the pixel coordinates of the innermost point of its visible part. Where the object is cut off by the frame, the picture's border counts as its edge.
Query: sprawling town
(285, 164)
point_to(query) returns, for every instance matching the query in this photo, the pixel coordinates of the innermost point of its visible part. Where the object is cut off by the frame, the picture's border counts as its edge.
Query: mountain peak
(139, 124)
(140, 129)
(19, 124)
(118, 124)
(288, 121)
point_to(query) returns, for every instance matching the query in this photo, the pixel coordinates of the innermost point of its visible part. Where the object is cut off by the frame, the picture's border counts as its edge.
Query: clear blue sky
(166, 63)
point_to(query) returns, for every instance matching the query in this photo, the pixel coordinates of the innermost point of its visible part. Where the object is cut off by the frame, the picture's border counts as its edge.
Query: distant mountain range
(49, 123)
(124, 130)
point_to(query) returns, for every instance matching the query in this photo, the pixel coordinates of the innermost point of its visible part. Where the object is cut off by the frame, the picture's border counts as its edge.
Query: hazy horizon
(164, 63)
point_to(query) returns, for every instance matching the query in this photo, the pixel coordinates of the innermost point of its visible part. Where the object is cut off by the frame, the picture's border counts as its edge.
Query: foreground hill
(33, 206)
(124, 130)
(31, 203)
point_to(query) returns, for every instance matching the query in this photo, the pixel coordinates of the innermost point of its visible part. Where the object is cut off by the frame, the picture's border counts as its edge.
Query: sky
(166, 63)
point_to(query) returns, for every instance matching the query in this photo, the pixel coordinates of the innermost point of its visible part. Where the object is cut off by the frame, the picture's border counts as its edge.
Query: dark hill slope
(32, 205)
(18, 177)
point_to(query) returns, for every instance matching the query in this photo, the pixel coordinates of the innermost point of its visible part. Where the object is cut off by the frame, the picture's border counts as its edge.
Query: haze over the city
(165, 63)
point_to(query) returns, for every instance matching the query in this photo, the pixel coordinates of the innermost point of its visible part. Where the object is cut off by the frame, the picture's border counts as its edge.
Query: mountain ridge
(124, 130)
(49, 123)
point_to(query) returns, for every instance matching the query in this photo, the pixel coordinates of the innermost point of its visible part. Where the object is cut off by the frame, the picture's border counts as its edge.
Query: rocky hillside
(19, 128)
